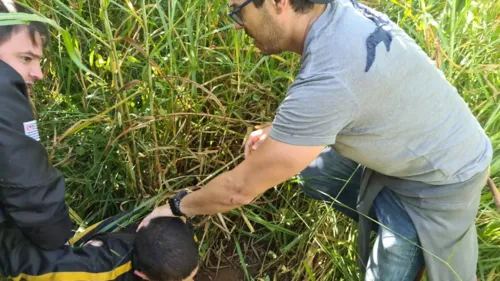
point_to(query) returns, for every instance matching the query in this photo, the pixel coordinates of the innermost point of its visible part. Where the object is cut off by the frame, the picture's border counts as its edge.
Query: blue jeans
(332, 176)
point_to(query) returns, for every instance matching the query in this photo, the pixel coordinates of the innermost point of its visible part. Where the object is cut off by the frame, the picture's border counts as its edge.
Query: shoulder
(12, 86)
(319, 87)
(13, 95)
(345, 38)
(9, 76)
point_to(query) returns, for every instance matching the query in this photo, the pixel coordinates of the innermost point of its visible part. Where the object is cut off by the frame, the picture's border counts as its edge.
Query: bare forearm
(272, 164)
(268, 166)
(220, 195)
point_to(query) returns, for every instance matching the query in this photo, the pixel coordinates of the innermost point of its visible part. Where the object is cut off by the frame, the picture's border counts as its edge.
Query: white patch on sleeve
(31, 130)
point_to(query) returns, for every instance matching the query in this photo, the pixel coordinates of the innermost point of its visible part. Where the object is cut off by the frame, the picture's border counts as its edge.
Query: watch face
(175, 203)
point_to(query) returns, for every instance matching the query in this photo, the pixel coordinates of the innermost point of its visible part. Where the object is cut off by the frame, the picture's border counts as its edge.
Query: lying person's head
(166, 251)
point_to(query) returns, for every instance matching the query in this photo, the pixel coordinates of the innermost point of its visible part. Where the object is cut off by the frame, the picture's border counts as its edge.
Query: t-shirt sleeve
(314, 112)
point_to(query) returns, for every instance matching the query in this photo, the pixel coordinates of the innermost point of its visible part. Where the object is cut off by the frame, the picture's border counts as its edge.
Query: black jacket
(31, 190)
(21, 260)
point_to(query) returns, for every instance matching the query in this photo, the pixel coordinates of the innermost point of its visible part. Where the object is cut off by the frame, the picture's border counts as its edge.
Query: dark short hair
(34, 27)
(166, 250)
(299, 6)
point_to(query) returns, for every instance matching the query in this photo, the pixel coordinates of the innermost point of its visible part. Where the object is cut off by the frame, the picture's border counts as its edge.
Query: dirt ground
(228, 268)
(223, 274)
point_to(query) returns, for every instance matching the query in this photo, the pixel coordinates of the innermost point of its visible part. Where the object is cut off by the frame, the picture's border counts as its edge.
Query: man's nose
(36, 72)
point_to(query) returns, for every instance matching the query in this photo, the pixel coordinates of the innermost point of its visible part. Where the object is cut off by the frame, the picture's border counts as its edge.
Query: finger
(258, 143)
(263, 126)
(261, 140)
(142, 224)
(248, 144)
(251, 140)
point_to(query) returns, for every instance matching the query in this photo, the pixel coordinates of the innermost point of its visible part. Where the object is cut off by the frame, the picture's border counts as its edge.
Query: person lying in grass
(163, 251)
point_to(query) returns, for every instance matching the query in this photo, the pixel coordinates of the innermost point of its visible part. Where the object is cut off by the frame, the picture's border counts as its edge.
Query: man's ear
(280, 5)
(140, 274)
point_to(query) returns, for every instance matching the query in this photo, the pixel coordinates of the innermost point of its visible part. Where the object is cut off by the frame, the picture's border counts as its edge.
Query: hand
(94, 243)
(255, 139)
(163, 211)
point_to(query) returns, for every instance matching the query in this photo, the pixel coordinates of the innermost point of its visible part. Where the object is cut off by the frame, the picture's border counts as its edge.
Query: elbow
(238, 192)
(50, 236)
(51, 245)
(240, 200)
(45, 238)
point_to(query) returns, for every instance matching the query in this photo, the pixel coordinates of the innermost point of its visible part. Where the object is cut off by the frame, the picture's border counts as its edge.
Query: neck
(300, 28)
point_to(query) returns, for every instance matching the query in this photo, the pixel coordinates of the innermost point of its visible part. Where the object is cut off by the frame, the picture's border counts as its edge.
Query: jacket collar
(10, 76)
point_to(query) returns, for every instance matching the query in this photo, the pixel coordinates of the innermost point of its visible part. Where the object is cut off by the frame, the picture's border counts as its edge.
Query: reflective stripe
(76, 276)
(78, 236)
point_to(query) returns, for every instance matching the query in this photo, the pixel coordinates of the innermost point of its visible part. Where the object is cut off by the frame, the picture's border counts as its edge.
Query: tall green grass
(171, 92)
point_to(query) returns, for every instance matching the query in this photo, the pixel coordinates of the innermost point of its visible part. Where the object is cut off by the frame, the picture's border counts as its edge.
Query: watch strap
(175, 203)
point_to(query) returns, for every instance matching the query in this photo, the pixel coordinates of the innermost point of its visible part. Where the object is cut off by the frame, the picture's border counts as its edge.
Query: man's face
(21, 54)
(262, 25)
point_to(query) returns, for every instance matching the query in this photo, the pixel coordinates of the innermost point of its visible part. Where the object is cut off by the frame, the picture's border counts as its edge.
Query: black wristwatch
(175, 203)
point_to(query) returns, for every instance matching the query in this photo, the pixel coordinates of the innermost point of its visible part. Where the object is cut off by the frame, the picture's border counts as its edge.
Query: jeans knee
(314, 188)
(401, 246)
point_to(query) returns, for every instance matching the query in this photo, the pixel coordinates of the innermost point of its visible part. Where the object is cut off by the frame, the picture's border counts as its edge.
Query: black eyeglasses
(236, 13)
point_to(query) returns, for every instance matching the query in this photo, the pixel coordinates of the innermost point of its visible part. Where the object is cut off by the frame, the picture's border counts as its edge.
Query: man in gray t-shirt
(395, 113)
(370, 124)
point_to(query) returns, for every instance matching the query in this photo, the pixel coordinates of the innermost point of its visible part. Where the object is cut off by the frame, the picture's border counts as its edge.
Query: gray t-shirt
(366, 88)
